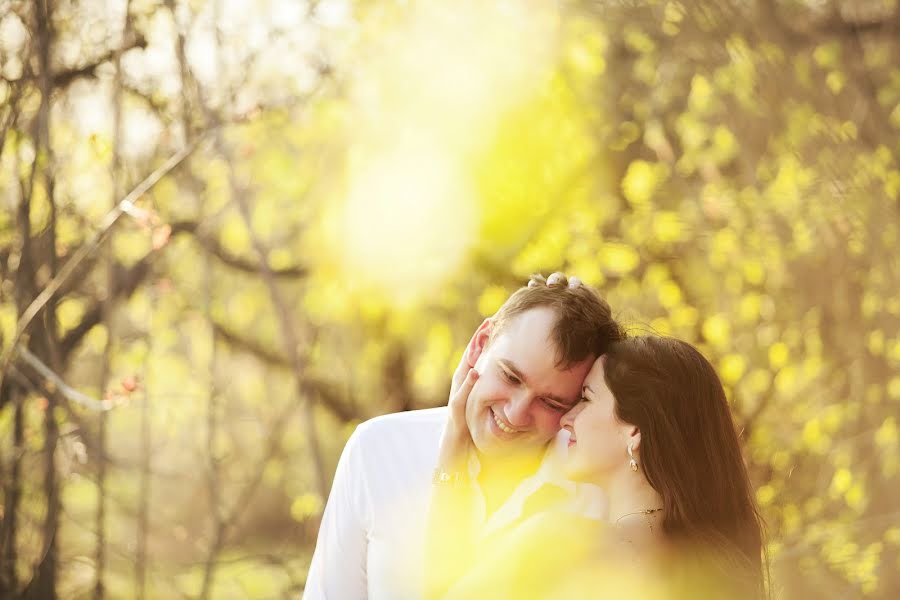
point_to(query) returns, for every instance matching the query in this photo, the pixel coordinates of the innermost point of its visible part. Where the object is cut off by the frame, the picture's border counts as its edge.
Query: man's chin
(495, 448)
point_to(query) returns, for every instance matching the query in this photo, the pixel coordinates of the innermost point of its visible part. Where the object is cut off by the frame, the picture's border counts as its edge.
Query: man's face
(521, 394)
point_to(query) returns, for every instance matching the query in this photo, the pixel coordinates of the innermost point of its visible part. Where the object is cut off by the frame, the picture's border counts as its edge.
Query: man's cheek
(475, 404)
(481, 363)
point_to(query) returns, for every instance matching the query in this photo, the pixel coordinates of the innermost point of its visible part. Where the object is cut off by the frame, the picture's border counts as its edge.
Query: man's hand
(462, 369)
(457, 437)
(458, 400)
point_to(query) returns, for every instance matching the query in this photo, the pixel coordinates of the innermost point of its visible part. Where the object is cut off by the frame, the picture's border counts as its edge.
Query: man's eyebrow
(512, 367)
(515, 371)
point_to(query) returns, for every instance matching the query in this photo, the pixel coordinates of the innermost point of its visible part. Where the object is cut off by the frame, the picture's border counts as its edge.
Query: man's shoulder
(398, 446)
(428, 421)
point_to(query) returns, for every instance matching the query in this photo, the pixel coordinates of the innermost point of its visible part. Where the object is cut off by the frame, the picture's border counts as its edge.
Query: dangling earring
(632, 463)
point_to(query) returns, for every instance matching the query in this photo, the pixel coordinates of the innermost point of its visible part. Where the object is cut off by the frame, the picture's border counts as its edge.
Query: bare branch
(326, 392)
(212, 246)
(65, 77)
(125, 282)
(123, 207)
(11, 116)
(57, 384)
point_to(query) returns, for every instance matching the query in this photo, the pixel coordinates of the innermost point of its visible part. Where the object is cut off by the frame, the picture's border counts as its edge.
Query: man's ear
(478, 342)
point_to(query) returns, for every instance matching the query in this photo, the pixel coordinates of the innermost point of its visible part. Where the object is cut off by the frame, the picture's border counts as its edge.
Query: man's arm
(338, 569)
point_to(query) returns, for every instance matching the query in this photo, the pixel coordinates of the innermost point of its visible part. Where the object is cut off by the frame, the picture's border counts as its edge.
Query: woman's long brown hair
(690, 454)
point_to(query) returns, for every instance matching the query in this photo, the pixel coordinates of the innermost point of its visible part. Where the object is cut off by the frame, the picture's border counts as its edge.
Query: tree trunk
(44, 584)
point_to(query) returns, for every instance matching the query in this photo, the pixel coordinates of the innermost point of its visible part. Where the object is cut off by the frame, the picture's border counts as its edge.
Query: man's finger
(460, 372)
(462, 394)
(555, 279)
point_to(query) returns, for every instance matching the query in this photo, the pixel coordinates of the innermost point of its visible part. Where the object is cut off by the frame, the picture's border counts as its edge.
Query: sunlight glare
(408, 220)
(426, 98)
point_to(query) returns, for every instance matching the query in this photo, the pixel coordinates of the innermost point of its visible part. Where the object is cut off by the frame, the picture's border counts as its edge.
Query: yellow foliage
(233, 234)
(667, 227)
(669, 295)
(887, 435)
(641, 181)
(638, 40)
(828, 55)
(701, 94)
(724, 245)
(893, 387)
(841, 481)
(585, 52)
(835, 81)
(765, 495)
(684, 317)
(438, 360)
(491, 299)
(717, 330)
(754, 271)
(892, 536)
(732, 368)
(814, 438)
(96, 338)
(7, 321)
(305, 506)
(618, 259)
(778, 355)
(759, 380)
(793, 519)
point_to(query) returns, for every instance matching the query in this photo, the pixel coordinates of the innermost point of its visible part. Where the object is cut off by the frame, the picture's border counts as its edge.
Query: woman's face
(598, 442)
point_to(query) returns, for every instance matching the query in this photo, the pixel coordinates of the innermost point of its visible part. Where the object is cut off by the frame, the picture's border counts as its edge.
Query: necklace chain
(646, 511)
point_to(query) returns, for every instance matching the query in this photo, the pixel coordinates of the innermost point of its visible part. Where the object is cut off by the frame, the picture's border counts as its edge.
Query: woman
(653, 429)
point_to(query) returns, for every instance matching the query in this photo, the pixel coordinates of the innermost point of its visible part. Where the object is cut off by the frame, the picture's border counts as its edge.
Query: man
(532, 357)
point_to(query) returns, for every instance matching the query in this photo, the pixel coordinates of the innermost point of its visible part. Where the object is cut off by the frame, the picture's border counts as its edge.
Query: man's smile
(502, 424)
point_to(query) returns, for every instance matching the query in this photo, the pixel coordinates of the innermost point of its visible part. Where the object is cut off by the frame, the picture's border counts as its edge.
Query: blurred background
(340, 191)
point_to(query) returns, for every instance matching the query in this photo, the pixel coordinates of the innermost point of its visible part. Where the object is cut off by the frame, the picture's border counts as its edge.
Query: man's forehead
(532, 329)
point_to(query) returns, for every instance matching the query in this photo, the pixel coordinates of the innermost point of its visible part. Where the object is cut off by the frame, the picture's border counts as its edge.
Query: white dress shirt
(372, 537)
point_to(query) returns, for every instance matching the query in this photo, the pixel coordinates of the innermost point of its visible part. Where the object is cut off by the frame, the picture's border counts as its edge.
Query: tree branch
(65, 77)
(125, 282)
(213, 246)
(326, 392)
(126, 205)
(56, 383)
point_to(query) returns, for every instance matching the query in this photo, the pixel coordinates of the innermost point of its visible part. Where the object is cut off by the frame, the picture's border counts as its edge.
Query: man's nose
(518, 411)
(568, 419)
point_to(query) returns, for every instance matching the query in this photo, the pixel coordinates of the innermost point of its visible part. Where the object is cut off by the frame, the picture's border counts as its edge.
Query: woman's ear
(478, 342)
(633, 438)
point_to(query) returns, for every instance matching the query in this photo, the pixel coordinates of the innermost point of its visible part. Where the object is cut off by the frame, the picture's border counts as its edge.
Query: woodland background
(341, 190)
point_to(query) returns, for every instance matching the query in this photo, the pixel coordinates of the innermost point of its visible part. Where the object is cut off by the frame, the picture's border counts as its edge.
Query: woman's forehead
(595, 377)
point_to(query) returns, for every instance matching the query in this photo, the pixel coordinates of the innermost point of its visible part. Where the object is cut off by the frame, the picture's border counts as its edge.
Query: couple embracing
(572, 461)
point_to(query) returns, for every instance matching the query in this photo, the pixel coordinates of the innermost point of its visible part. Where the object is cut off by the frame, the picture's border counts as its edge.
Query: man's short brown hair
(584, 325)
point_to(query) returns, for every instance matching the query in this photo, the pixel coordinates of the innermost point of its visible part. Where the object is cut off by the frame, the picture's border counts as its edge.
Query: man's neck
(499, 476)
